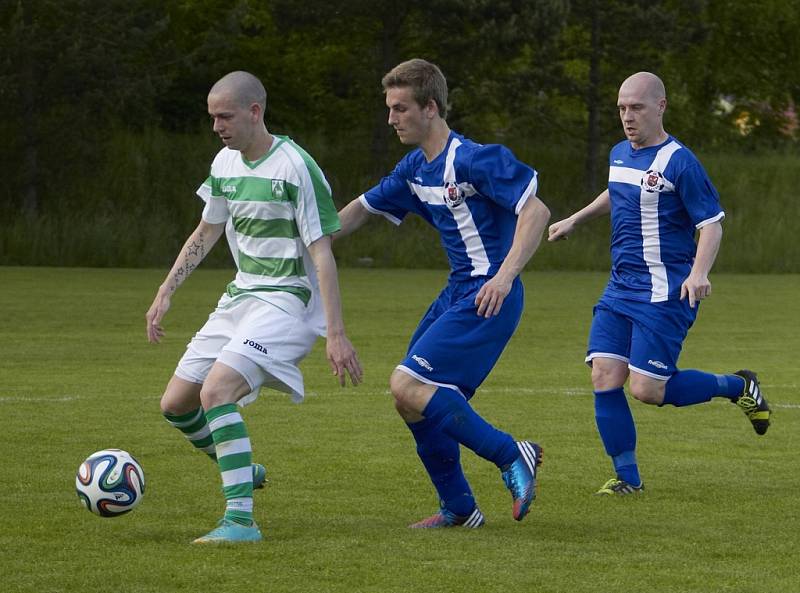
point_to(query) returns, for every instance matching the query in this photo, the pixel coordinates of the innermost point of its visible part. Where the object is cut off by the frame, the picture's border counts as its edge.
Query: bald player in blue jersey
(658, 196)
(483, 202)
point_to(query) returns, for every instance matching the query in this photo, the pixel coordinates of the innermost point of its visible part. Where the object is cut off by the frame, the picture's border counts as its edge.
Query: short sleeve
(216, 208)
(498, 175)
(698, 195)
(316, 212)
(391, 197)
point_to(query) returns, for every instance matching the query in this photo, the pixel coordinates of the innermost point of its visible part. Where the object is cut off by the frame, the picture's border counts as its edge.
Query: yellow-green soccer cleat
(228, 532)
(617, 487)
(753, 403)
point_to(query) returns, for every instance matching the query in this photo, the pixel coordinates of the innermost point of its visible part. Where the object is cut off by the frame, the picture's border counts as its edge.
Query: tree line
(79, 76)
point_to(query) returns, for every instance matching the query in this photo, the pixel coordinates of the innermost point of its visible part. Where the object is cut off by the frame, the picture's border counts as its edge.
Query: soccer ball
(110, 483)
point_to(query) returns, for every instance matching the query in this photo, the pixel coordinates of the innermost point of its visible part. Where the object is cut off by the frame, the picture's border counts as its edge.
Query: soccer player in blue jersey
(658, 195)
(483, 202)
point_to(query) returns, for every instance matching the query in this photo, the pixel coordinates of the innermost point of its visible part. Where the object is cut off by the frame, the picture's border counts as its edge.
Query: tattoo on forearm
(194, 248)
(194, 253)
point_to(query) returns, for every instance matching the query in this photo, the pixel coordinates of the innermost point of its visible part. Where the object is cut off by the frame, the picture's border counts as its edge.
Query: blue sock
(441, 457)
(451, 413)
(618, 432)
(689, 387)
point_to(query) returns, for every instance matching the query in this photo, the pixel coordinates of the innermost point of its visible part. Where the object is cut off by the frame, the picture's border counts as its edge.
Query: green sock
(235, 457)
(194, 427)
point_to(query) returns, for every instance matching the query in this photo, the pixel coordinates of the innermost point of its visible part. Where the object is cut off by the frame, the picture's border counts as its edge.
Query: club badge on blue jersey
(652, 181)
(453, 195)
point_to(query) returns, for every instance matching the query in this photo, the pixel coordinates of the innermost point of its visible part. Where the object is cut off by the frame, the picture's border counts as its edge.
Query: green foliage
(124, 214)
(742, 75)
(78, 376)
(105, 101)
(760, 232)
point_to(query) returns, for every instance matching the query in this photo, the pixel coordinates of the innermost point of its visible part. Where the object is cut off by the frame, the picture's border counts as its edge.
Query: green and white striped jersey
(274, 208)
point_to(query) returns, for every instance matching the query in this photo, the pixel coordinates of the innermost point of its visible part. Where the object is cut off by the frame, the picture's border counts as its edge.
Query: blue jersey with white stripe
(471, 193)
(659, 196)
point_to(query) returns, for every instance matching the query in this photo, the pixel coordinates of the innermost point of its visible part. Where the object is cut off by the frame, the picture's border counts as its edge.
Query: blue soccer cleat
(228, 532)
(445, 518)
(520, 478)
(259, 476)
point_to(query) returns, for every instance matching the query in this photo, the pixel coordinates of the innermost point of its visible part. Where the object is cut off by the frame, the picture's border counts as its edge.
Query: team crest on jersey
(653, 181)
(277, 188)
(453, 195)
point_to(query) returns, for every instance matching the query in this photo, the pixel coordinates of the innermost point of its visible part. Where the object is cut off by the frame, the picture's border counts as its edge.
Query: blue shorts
(648, 336)
(454, 347)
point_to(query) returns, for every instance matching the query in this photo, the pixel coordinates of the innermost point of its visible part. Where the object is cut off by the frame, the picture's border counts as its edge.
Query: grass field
(720, 512)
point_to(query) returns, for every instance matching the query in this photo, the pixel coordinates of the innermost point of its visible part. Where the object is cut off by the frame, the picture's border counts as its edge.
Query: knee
(405, 412)
(168, 405)
(211, 396)
(648, 392)
(176, 401)
(608, 376)
(410, 395)
(401, 387)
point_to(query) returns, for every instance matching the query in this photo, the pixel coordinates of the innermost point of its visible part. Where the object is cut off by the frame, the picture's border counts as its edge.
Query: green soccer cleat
(228, 532)
(753, 403)
(259, 476)
(617, 487)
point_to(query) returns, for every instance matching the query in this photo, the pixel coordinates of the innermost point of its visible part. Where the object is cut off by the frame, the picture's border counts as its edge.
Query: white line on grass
(568, 391)
(15, 399)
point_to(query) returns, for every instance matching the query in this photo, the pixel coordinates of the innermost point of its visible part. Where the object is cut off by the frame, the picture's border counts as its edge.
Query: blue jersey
(659, 196)
(470, 193)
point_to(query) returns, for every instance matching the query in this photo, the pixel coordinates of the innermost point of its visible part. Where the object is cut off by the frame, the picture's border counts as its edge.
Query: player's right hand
(343, 359)
(560, 230)
(154, 316)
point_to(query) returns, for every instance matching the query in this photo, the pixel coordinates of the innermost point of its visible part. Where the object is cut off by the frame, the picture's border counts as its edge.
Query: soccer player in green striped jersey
(273, 203)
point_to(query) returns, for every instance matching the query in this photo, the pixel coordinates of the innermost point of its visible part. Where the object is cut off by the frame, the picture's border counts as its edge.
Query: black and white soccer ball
(110, 483)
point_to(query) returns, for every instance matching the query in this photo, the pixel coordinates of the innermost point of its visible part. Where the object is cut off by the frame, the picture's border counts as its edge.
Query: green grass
(720, 512)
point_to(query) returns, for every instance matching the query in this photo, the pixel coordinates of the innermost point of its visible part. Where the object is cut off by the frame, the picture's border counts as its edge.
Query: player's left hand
(343, 359)
(491, 296)
(695, 288)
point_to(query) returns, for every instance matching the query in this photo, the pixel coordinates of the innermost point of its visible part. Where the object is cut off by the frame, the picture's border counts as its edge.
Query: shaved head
(242, 87)
(645, 84)
(642, 101)
(236, 104)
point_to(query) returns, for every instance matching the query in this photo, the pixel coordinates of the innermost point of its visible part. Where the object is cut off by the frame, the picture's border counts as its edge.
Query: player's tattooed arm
(192, 253)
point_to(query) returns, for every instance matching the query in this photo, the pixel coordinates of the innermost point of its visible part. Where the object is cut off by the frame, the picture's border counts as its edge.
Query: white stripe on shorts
(422, 379)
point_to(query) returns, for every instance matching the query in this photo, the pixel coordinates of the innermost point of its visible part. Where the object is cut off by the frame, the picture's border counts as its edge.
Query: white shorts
(260, 341)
